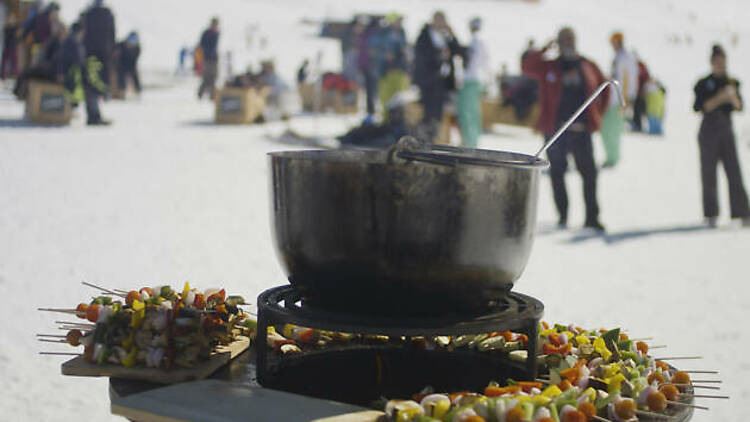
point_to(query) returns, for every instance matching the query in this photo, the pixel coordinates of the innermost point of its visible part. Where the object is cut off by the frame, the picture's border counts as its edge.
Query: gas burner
(362, 372)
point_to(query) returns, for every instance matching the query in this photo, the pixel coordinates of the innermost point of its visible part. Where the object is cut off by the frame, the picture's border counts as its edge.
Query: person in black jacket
(127, 54)
(433, 67)
(70, 64)
(210, 46)
(99, 41)
(717, 96)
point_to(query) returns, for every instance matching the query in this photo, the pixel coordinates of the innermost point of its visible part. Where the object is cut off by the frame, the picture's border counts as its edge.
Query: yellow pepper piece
(539, 400)
(523, 399)
(128, 341)
(601, 348)
(139, 314)
(590, 394)
(185, 290)
(286, 331)
(569, 335)
(611, 370)
(405, 415)
(440, 409)
(614, 383)
(582, 340)
(552, 391)
(129, 360)
(547, 332)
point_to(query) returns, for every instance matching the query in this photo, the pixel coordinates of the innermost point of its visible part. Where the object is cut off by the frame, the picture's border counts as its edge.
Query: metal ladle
(564, 127)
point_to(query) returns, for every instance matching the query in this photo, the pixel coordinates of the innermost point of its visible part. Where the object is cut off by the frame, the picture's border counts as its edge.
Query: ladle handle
(564, 127)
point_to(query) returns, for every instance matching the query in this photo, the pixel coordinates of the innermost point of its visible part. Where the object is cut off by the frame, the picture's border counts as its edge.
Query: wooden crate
(46, 103)
(306, 93)
(493, 112)
(341, 102)
(239, 105)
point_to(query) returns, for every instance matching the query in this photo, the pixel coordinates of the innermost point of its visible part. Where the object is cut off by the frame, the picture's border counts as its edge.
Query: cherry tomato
(670, 392)
(574, 416)
(656, 376)
(81, 310)
(587, 409)
(74, 337)
(625, 409)
(514, 415)
(92, 313)
(131, 296)
(642, 347)
(656, 401)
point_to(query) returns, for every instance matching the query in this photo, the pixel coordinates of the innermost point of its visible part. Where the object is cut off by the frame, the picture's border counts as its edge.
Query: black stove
(394, 361)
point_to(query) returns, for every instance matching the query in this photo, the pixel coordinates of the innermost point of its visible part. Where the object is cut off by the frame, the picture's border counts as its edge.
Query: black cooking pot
(416, 229)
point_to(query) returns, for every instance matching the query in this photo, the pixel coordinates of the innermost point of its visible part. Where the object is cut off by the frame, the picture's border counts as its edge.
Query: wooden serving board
(80, 368)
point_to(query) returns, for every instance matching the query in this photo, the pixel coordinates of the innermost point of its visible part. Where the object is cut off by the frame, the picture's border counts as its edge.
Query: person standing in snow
(9, 60)
(128, 53)
(389, 58)
(717, 96)
(71, 62)
(624, 71)
(639, 105)
(99, 41)
(470, 95)
(564, 85)
(364, 60)
(433, 68)
(209, 45)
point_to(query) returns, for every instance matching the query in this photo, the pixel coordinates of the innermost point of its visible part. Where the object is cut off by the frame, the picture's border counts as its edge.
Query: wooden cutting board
(214, 401)
(80, 368)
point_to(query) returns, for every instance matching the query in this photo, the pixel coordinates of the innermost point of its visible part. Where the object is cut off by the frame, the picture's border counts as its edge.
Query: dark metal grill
(359, 373)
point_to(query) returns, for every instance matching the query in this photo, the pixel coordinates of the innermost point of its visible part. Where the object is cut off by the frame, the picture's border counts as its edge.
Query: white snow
(165, 196)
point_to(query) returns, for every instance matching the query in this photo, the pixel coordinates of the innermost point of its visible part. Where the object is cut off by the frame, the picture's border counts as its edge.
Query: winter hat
(475, 24)
(392, 17)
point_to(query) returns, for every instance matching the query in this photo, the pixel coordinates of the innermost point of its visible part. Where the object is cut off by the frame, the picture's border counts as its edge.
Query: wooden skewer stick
(543, 381)
(600, 419)
(52, 341)
(65, 311)
(708, 381)
(60, 353)
(703, 396)
(75, 323)
(642, 339)
(103, 289)
(680, 358)
(701, 372)
(679, 403)
(51, 335)
(706, 387)
(73, 327)
(658, 346)
(653, 415)
(120, 291)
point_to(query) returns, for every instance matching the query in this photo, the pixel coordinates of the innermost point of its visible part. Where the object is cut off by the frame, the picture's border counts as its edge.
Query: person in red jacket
(564, 84)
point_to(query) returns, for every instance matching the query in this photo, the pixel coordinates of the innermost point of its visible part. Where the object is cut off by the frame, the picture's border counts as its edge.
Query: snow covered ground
(165, 196)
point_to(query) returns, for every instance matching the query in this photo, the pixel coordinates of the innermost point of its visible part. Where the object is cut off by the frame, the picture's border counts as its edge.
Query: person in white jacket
(625, 71)
(470, 95)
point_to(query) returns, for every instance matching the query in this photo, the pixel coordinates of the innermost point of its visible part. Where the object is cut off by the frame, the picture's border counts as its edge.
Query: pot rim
(452, 156)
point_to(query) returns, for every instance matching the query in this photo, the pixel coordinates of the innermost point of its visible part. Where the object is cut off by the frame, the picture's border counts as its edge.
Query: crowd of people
(84, 56)
(378, 57)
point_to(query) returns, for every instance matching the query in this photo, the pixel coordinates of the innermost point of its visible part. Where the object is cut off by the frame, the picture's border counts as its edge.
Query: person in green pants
(470, 95)
(624, 71)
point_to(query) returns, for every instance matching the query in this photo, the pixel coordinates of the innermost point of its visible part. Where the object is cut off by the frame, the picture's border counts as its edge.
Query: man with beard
(564, 84)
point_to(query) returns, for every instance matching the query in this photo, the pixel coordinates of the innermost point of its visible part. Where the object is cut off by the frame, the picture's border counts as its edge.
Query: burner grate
(393, 368)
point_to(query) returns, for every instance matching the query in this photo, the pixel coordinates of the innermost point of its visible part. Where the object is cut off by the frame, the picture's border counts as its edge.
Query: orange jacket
(548, 74)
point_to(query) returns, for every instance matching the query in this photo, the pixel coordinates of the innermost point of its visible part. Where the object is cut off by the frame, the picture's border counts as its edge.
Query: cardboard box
(46, 103)
(239, 105)
(346, 102)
